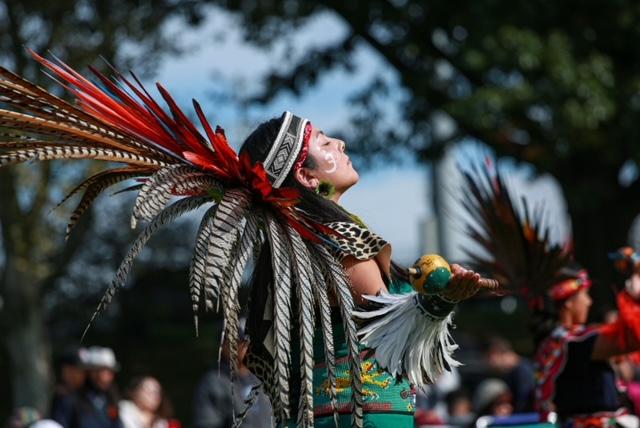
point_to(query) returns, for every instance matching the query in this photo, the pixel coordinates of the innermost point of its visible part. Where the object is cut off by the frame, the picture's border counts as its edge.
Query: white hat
(487, 392)
(98, 357)
(45, 423)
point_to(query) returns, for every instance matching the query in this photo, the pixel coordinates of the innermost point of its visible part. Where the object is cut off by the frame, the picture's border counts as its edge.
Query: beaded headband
(567, 288)
(286, 148)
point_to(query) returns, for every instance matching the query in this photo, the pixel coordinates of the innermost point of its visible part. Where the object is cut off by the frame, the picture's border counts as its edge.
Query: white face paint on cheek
(334, 165)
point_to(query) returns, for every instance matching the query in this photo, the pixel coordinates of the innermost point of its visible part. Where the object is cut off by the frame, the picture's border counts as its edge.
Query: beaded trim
(285, 148)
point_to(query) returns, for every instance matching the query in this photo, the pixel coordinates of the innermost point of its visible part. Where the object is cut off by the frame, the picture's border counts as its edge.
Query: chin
(356, 177)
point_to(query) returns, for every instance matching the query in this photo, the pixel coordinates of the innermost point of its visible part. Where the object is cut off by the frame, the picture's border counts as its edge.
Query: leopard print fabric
(263, 370)
(356, 241)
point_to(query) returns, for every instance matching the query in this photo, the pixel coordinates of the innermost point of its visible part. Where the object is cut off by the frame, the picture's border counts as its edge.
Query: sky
(394, 200)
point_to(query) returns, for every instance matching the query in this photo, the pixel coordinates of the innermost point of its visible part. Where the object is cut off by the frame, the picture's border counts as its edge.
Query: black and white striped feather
(282, 312)
(93, 187)
(303, 277)
(159, 189)
(75, 152)
(320, 290)
(241, 255)
(167, 216)
(198, 264)
(222, 238)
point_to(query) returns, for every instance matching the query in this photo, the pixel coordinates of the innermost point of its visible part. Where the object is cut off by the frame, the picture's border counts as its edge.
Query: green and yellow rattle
(431, 275)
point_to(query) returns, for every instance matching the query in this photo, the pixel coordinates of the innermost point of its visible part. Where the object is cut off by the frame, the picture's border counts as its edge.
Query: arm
(365, 277)
(623, 335)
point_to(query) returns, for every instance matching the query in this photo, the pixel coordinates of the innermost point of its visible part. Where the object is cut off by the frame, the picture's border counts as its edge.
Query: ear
(306, 177)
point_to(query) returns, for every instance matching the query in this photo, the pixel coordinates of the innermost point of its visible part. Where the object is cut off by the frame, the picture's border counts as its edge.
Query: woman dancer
(276, 202)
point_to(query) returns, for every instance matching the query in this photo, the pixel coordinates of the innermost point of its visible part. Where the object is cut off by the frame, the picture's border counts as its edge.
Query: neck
(146, 416)
(566, 320)
(338, 192)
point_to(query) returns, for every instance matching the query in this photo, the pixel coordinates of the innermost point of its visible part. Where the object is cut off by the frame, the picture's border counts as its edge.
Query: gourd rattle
(431, 274)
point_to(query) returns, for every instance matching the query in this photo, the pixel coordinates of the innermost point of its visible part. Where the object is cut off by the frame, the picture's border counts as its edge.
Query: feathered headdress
(119, 121)
(513, 246)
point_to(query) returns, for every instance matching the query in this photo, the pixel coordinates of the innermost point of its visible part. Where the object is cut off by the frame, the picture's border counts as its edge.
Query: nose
(341, 145)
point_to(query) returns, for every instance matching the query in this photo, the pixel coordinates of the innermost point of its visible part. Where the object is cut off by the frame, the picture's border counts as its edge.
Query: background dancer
(573, 374)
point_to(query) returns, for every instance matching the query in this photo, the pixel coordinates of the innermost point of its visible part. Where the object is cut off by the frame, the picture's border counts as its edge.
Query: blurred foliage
(32, 255)
(556, 84)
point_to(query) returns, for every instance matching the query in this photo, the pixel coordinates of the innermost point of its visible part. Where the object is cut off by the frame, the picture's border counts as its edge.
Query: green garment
(388, 402)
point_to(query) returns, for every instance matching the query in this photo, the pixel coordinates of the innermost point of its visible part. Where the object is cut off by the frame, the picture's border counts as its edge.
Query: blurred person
(518, 372)
(426, 418)
(22, 417)
(492, 397)
(278, 200)
(72, 377)
(459, 408)
(146, 405)
(73, 373)
(214, 405)
(45, 423)
(573, 376)
(431, 399)
(95, 405)
(628, 385)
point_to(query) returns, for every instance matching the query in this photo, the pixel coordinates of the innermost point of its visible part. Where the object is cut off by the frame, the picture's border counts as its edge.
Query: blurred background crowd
(496, 388)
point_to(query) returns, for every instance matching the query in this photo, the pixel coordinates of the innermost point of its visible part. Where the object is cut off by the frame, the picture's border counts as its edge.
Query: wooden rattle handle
(484, 283)
(489, 284)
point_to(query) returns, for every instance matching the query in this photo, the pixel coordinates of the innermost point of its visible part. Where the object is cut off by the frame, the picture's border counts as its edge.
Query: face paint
(331, 163)
(329, 158)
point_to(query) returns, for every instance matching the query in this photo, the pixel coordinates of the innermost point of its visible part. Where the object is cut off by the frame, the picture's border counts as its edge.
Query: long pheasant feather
(168, 215)
(98, 176)
(303, 273)
(199, 262)
(282, 315)
(158, 189)
(95, 185)
(228, 217)
(74, 152)
(324, 310)
(230, 293)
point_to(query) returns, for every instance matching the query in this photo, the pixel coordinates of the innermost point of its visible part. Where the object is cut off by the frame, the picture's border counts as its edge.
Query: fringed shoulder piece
(358, 241)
